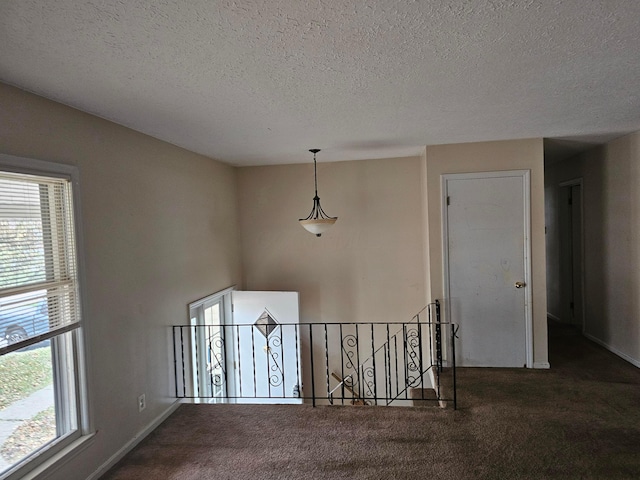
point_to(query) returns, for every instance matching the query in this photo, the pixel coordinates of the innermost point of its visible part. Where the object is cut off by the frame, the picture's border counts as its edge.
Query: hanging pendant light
(318, 221)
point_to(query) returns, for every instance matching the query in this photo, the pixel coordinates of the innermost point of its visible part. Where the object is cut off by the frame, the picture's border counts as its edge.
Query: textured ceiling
(259, 82)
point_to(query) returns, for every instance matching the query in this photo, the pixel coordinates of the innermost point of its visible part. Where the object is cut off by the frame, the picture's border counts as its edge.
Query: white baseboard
(541, 365)
(141, 435)
(48, 468)
(622, 355)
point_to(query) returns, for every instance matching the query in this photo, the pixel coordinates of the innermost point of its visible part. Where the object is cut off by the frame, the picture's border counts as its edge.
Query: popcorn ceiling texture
(261, 81)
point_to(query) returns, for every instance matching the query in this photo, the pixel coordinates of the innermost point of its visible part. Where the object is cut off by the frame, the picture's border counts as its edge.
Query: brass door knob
(520, 284)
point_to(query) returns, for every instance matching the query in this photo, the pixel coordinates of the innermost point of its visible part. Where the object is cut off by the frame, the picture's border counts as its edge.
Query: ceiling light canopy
(318, 221)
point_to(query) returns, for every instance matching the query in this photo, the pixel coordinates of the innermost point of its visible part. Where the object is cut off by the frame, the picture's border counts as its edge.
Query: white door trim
(526, 183)
(197, 308)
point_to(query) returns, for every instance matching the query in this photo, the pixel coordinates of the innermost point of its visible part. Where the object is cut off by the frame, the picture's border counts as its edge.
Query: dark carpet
(579, 420)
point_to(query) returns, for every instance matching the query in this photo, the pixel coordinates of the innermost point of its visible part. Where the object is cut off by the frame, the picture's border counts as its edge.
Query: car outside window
(41, 408)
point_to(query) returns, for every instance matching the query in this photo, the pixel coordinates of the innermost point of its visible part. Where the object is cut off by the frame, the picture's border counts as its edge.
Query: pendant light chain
(315, 171)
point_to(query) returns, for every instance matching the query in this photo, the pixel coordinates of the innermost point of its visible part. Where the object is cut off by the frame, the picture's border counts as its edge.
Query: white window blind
(38, 271)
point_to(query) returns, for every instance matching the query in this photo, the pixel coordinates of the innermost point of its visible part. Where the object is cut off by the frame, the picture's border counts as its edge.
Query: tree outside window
(39, 320)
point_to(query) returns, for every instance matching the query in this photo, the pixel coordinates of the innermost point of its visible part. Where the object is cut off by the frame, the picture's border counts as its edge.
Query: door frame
(575, 182)
(223, 298)
(525, 175)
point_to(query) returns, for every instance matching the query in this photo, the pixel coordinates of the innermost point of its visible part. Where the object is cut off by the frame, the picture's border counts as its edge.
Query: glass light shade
(317, 222)
(318, 226)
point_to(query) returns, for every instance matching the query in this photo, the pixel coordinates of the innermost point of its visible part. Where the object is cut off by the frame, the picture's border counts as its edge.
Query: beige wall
(368, 267)
(160, 231)
(483, 157)
(551, 213)
(611, 209)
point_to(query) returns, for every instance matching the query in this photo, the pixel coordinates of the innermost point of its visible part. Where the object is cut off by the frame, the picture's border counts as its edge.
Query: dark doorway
(571, 253)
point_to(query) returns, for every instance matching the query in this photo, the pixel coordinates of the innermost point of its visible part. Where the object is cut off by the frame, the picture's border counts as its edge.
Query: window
(208, 345)
(40, 343)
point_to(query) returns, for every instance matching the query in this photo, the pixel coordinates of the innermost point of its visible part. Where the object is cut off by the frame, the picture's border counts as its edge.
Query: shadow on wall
(607, 200)
(596, 247)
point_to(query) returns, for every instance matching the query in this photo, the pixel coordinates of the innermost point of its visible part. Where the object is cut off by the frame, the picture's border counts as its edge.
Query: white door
(209, 372)
(486, 266)
(266, 341)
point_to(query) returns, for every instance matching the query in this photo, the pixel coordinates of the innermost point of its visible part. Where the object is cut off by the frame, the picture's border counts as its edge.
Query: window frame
(66, 445)
(196, 311)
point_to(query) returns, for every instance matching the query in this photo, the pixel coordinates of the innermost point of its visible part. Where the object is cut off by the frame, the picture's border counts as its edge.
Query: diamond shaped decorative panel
(266, 323)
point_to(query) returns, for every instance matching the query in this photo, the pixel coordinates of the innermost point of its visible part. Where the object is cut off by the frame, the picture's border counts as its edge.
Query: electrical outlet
(142, 403)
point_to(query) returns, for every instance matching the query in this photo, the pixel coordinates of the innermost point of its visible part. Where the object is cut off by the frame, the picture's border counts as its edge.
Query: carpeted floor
(579, 420)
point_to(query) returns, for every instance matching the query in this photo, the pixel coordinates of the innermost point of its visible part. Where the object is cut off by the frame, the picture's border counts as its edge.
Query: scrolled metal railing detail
(368, 363)
(349, 348)
(215, 365)
(276, 377)
(368, 380)
(414, 363)
(413, 350)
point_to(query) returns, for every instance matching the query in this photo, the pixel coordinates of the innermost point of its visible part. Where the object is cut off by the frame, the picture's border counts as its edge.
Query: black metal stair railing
(417, 363)
(370, 363)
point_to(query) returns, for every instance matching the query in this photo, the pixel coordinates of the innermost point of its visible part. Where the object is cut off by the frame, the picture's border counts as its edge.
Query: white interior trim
(571, 183)
(614, 350)
(195, 312)
(214, 297)
(526, 183)
(553, 317)
(542, 365)
(52, 465)
(39, 167)
(86, 427)
(131, 444)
